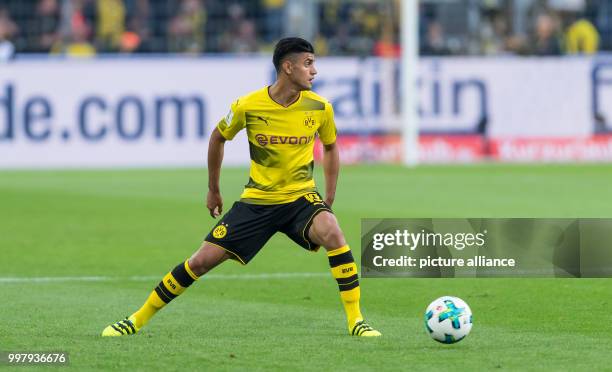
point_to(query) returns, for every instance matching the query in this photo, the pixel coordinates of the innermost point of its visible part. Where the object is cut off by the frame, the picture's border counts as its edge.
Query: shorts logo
(220, 232)
(309, 121)
(262, 139)
(313, 198)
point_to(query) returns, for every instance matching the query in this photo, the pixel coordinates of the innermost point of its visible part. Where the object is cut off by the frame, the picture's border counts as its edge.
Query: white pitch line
(61, 279)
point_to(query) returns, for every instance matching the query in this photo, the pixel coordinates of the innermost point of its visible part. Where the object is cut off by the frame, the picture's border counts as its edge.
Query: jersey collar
(267, 88)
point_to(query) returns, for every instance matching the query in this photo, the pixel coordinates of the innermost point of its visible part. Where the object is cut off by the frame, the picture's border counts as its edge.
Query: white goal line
(61, 279)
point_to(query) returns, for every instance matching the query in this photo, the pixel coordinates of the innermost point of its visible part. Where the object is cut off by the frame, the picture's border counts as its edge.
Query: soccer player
(281, 121)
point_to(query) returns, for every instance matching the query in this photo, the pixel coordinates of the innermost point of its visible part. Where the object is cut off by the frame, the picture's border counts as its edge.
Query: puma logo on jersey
(267, 121)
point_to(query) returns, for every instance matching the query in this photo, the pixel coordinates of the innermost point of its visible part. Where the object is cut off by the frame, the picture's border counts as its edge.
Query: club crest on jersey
(309, 120)
(220, 231)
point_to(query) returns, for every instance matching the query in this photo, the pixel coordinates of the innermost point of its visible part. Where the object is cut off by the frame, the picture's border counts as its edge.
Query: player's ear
(287, 66)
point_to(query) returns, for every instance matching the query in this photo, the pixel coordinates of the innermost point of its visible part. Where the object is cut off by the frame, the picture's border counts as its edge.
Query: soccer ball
(448, 319)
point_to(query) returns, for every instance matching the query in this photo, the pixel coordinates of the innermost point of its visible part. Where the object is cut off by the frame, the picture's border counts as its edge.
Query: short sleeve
(232, 123)
(327, 130)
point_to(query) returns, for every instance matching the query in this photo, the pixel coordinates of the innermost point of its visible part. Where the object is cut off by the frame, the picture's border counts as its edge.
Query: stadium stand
(339, 27)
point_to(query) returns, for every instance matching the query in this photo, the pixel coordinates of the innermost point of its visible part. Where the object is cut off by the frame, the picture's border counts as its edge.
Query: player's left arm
(331, 157)
(331, 169)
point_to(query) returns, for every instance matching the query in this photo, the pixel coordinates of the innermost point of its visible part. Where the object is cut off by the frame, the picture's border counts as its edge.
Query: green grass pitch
(130, 227)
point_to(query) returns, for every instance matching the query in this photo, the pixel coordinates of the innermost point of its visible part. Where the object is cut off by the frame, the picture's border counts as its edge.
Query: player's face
(303, 70)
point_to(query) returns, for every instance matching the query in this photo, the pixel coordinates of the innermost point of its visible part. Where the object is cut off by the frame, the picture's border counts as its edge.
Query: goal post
(409, 66)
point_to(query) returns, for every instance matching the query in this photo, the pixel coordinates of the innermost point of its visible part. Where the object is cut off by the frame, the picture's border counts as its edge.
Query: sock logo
(220, 231)
(169, 281)
(348, 270)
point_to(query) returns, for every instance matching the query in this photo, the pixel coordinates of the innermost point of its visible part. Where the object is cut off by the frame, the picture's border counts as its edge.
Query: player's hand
(214, 203)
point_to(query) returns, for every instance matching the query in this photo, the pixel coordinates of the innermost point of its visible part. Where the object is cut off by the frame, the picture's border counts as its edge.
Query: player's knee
(333, 238)
(206, 258)
(328, 231)
(198, 265)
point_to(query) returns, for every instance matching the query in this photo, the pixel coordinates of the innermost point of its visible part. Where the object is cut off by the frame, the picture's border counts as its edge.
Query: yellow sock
(173, 284)
(344, 270)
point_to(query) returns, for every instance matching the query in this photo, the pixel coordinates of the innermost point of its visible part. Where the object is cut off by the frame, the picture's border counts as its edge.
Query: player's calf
(326, 231)
(172, 285)
(344, 270)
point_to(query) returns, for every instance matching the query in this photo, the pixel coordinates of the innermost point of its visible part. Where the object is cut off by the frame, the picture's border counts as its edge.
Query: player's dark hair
(287, 46)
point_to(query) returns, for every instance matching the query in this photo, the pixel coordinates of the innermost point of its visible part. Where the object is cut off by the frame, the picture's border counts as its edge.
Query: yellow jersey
(582, 37)
(281, 143)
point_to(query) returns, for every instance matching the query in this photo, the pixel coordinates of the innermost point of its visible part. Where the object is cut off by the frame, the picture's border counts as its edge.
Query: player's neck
(284, 94)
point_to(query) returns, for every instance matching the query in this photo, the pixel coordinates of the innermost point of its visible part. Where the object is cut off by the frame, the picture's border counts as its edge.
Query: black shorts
(246, 228)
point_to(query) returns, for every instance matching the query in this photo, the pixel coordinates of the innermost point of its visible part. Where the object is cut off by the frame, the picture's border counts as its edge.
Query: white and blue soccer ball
(448, 319)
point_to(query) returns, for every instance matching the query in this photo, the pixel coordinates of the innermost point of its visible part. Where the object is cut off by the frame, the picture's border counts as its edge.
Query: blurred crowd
(340, 27)
(545, 28)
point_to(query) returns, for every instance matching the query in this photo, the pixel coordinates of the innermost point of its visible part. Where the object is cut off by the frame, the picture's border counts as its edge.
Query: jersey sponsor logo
(264, 140)
(309, 121)
(220, 232)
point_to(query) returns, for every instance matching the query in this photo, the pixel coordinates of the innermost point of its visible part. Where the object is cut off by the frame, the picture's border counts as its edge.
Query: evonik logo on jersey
(265, 139)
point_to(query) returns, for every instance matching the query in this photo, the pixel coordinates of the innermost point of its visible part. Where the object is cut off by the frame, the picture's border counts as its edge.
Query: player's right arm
(226, 129)
(214, 201)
